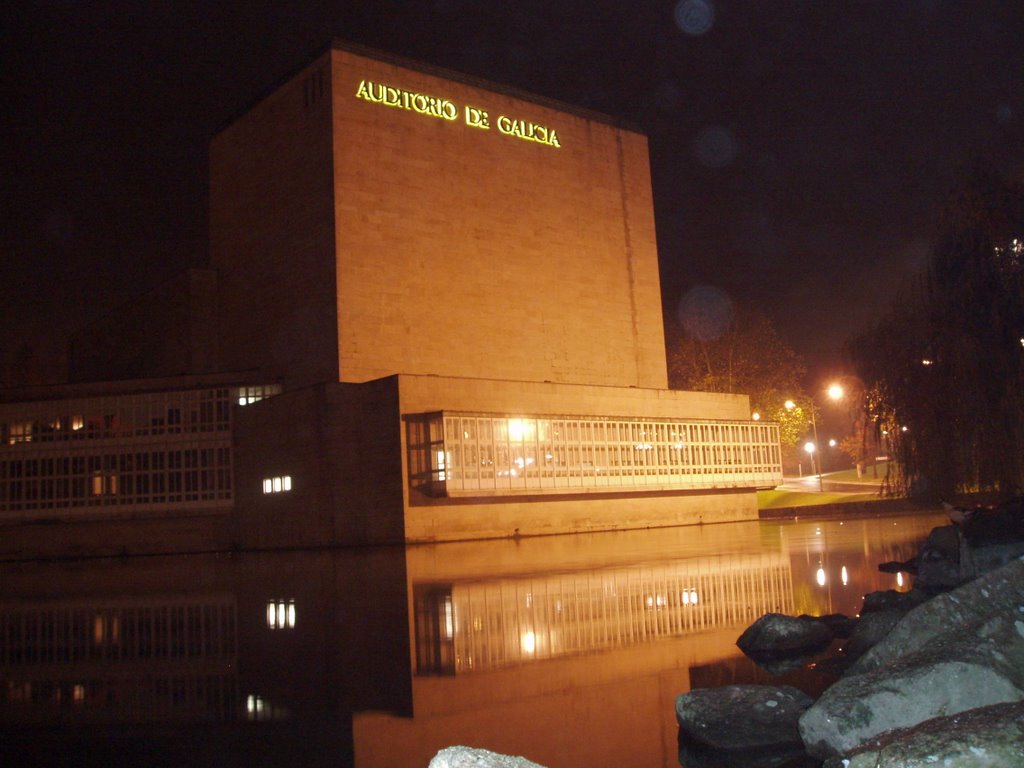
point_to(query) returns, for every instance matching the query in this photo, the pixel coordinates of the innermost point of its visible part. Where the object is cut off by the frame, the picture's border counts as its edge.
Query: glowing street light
(835, 392)
(810, 448)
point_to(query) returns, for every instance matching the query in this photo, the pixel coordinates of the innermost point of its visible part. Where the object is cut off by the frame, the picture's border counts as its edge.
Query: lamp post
(834, 392)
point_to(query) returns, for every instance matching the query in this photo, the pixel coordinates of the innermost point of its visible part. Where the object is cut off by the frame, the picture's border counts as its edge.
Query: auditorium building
(432, 312)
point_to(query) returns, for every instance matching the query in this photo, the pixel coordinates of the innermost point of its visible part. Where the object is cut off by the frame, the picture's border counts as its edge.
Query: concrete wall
(341, 447)
(282, 436)
(272, 234)
(465, 252)
(423, 394)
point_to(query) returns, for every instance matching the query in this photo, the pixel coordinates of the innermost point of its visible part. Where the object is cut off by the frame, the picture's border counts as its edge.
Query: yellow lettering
(528, 131)
(477, 118)
(423, 104)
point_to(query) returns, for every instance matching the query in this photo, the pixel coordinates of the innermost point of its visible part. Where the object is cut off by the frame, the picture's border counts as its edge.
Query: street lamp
(835, 392)
(810, 448)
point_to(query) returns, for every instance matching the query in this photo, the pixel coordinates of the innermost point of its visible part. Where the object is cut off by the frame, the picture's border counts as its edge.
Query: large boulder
(954, 554)
(871, 629)
(996, 591)
(470, 757)
(775, 635)
(974, 666)
(737, 717)
(891, 599)
(938, 562)
(980, 738)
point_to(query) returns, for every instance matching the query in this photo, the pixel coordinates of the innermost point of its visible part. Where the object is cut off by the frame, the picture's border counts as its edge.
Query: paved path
(809, 484)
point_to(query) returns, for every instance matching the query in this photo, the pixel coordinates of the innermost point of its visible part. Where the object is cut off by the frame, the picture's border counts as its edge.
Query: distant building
(452, 290)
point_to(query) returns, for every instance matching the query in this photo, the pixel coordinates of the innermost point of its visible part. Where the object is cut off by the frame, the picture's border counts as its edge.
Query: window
(281, 614)
(280, 484)
(20, 433)
(250, 395)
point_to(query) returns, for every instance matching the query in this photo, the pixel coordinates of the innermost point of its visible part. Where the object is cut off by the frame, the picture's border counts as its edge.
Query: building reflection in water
(568, 649)
(120, 660)
(491, 624)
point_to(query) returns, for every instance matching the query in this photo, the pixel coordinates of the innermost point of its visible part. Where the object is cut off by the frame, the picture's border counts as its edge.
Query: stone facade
(423, 245)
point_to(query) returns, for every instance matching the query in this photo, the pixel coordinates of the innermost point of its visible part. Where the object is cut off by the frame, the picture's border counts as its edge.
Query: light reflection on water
(569, 650)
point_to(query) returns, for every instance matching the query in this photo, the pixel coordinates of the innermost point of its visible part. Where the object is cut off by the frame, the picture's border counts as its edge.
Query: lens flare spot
(694, 17)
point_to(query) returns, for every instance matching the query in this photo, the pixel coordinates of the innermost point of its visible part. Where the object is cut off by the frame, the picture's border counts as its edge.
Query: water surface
(569, 650)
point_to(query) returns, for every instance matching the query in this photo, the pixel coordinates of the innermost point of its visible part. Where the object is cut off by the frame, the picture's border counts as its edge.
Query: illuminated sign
(389, 96)
(445, 109)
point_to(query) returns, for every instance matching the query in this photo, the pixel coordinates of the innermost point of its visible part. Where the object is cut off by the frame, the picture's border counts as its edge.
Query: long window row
(133, 416)
(196, 475)
(482, 626)
(463, 453)
(170, 448)
(141, 415)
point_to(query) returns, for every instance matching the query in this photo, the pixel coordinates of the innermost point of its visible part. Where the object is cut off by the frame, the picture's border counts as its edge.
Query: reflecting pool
(569, 650)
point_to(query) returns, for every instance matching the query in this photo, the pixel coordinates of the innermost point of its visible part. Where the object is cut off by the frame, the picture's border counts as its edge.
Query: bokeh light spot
(705, 313)
(694, 17)
(715, 147)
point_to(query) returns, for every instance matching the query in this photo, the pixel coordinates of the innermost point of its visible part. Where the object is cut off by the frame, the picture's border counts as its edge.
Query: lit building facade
(453, 289)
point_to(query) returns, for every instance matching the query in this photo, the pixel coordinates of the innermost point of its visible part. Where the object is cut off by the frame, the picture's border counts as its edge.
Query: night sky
(800, 151)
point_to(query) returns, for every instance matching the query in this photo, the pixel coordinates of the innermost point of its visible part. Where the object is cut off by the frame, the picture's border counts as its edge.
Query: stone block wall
(466, 251)
(272, 234)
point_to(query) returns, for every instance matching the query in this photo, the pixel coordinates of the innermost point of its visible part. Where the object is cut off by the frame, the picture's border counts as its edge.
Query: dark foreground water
(569, 650)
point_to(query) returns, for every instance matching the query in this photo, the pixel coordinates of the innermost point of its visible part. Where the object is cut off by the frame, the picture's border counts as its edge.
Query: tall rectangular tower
(371, 217)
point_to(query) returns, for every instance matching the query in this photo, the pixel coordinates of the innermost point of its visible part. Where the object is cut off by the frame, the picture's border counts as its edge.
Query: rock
(871, 628)
(839, 625)
(693, 756)
(955, 554)
(896, 566)
(998, 525)
(984, 737)
(891, 599)
(996, 591)
(978, 560)
(973, 666)
(469, 757)
(938, 562)
(775, 635)
(738, 717)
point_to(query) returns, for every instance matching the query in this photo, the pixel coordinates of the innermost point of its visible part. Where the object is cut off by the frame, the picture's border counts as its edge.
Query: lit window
(20, 433)
(279, 484)
(250, 395)
(103, 484)
(281, 614)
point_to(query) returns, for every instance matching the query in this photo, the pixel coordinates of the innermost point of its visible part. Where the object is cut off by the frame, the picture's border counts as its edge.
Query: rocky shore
(934, 676)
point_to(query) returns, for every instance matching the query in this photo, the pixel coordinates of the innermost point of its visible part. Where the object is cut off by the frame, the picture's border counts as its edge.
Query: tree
(717, 345)
(945, 366)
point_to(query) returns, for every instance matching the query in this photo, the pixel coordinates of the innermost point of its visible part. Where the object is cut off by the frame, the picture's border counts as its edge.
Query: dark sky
(800, 151)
